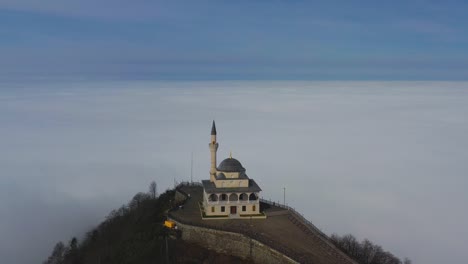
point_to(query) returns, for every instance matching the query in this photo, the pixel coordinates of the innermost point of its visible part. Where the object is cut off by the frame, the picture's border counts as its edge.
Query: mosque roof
(210, 187)
(230, 165)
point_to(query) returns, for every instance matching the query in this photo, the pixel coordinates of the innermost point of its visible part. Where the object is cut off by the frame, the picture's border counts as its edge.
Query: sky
(358, 108)
(233, 40)
(380, 160)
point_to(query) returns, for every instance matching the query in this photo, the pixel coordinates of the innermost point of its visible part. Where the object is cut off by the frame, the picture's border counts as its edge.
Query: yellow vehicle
(170, 224)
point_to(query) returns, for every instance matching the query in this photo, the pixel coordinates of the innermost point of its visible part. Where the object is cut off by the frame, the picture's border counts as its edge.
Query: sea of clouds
(381, 160)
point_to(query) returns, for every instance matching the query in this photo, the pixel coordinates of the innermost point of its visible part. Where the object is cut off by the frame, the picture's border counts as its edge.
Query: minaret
(213, 148)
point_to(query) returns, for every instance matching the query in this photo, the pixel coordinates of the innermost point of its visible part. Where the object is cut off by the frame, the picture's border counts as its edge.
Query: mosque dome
(230, 165)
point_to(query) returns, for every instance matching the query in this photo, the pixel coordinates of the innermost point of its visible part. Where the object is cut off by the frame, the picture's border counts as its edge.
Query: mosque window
(223, 197)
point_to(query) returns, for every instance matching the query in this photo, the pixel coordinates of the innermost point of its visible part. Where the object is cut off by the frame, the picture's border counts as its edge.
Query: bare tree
(71, 254)
(58, 254)
(153, 189)
(368, 252)
(138, 199)
(407, 261)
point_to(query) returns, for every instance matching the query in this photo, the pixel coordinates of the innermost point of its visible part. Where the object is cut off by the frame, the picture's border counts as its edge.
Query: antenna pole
(191, 168)
(284, 195)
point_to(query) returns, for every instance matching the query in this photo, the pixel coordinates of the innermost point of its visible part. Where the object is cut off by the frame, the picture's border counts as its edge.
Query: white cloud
(383, 160)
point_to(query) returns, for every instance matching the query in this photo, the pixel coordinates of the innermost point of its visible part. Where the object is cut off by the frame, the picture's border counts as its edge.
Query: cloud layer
(381, 160)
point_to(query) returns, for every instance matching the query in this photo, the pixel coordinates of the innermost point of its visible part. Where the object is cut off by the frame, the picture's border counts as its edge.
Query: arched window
(223, 197)
(253, 197)
(244, 197)
(233, 197)
(213, 197)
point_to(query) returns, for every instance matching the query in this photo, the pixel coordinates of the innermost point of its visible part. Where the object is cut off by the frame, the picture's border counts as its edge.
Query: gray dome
(230, 165)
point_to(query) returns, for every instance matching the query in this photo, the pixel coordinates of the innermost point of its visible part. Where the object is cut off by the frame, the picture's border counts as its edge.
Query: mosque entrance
(233, 209)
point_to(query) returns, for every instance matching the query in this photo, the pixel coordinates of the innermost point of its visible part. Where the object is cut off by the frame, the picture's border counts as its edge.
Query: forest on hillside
(134, 233)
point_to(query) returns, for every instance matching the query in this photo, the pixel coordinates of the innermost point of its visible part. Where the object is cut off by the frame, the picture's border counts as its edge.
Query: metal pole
(284, 195)
(191, 168)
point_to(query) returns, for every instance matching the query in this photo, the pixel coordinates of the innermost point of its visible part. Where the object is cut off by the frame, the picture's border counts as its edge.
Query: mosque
(229, 192)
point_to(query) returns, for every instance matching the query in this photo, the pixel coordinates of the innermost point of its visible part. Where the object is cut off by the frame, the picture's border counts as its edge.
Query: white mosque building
(229, 192)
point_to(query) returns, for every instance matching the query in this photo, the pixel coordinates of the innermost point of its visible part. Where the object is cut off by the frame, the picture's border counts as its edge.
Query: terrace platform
(283, 230)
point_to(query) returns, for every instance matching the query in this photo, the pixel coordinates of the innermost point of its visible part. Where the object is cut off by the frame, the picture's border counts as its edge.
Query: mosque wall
(232, 183)
(230, 174)
(248, 208)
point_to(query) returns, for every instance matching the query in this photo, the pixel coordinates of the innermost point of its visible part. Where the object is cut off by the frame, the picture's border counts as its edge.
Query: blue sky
(192, 40)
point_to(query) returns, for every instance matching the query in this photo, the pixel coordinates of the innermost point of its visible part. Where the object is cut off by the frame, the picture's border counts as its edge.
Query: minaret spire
(213, 128)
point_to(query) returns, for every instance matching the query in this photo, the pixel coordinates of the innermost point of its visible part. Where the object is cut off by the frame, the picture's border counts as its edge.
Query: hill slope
(134, 234)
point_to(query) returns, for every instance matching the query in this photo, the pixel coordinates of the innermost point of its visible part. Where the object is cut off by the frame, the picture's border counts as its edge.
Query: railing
(309, 224)
(298, 215)
(240, 202)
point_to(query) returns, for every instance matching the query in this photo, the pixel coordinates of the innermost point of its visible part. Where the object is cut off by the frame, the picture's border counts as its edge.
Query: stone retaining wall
(232, 244)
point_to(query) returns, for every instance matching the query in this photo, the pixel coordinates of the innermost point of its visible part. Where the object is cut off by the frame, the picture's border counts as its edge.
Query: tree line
(365, 252)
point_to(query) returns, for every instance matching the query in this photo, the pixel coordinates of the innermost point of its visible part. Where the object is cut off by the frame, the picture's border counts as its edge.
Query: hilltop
(134, 233)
